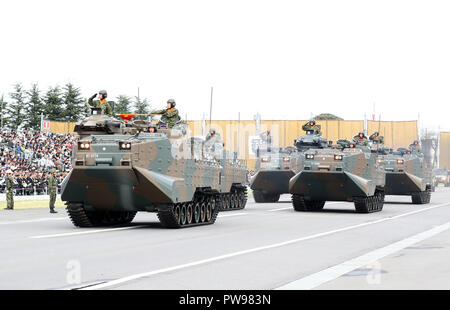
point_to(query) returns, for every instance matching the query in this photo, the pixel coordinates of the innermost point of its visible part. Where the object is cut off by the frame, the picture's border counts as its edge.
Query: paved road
(265, 246)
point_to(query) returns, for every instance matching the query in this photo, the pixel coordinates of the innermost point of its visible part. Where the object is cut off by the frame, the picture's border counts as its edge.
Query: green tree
(327, 116)
(15, 109)
(141, 107)
(3, 104)
(53, 104)
(74, 104)
(123, 104)
(34, 108)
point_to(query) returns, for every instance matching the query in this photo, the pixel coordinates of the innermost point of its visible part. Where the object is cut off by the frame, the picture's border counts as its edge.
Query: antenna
(239, 126)
(210, 108)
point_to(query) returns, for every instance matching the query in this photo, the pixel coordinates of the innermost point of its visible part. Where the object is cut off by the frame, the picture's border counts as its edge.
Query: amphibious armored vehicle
(407, 174)
(441, 176)
(120, 168)
(343, 172)
(275, 167)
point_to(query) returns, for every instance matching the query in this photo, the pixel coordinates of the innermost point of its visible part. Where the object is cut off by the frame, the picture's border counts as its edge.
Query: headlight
(338, 157)
(309, 156)
(124, 145)
(286, 159)
(380, 160)
(400, 161)
(265, 159)
(84, 145)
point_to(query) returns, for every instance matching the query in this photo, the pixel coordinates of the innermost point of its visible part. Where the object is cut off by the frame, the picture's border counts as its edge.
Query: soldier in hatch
(170, 114)
(415, 147)
(361, 139)
(311, 125)
(376, 138)
(102, 103)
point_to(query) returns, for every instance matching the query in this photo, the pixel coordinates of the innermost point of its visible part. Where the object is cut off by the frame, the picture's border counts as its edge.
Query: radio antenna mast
(210, 108)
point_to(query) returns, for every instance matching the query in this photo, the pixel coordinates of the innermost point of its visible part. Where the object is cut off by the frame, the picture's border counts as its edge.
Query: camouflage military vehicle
(441, 176)
(120, 168)
(275, 167)
(343, 172)
(407, 174)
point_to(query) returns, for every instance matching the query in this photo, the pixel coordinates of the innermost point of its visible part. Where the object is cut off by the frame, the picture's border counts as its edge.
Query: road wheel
(208, 211)
(189, 213)
(183, 214)
(202, 212)
(197, 212)
(177, 213)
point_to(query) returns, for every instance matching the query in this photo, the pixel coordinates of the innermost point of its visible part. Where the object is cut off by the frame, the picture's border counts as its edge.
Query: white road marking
(232, 214)
(110, 229)
(286, 208)
(279, 209)
(85, 232)
(335, 272)
(253, 250)
(33, 221)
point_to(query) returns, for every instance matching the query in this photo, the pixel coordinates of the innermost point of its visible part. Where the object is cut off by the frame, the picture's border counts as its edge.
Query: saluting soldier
(170, 114)
(52, 188)
(376, 138)
(415, 146)
(102, 103)
(9, 190)
(311, 125)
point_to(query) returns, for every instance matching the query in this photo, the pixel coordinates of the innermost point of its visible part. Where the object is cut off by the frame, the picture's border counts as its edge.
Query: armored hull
(116, 175)
(441, 176)
(407, 175)
(274, 169)
(334, 174)
(273, 172)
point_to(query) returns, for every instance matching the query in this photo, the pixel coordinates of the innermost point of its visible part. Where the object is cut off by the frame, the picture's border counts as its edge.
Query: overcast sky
(284, 59)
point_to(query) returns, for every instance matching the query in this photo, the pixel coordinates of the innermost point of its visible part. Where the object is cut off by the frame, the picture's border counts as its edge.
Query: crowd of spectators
(30, 155)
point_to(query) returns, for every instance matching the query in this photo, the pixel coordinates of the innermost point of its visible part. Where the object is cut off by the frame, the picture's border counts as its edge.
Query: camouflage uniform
(415, 147)
(52, 188)
(106, 107)
(360, 141)
(376, 138)
(171, 116)
(316, 128)
(9, 192)
(266, 138)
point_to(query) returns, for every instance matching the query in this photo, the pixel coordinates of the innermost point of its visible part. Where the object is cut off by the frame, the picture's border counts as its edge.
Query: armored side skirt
(330, 186)
(123, 188)
(402, 183)
(272, 181)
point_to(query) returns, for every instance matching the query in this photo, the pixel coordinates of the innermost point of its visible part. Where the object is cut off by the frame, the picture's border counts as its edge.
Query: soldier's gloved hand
(94, 95)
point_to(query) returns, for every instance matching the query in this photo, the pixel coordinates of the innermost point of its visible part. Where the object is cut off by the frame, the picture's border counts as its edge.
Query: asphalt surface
(264, 246)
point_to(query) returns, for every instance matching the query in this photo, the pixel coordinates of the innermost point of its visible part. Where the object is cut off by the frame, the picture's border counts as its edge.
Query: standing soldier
(311, 125)
(170, 114)
(9, 190)
(102, 103)
(376, 138)
(52, 187)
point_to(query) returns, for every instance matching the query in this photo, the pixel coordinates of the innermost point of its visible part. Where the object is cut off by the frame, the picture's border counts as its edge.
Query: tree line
(25, 106)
